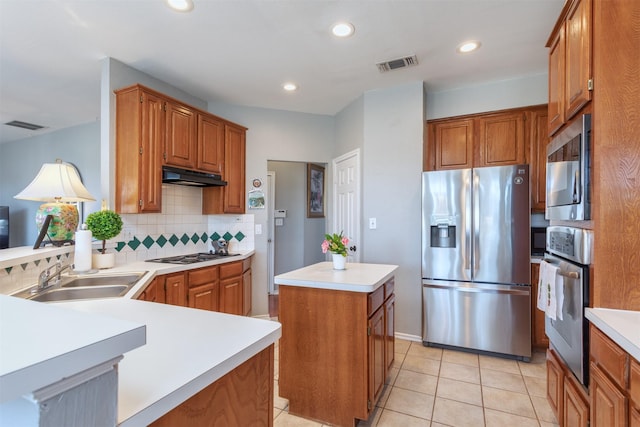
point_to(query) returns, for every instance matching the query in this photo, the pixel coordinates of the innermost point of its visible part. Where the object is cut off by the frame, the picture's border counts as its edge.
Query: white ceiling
(241, 51)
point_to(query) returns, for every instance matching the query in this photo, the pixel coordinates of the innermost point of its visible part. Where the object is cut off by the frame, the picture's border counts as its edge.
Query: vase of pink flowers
(337, 245)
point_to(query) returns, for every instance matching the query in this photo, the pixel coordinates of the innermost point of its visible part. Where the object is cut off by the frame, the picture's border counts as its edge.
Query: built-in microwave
(568, 172)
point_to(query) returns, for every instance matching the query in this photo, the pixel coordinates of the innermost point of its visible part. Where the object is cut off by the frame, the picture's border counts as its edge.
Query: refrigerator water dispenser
(443, 235)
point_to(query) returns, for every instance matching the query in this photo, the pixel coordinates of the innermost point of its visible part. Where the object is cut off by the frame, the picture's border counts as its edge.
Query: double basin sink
(85, 287)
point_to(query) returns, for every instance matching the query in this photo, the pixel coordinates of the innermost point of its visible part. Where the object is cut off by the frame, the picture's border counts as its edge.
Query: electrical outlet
(238, 219)
(258, 228)
(372, 224)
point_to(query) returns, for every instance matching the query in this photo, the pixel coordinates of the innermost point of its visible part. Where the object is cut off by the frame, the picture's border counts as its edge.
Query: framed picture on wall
(315, 191)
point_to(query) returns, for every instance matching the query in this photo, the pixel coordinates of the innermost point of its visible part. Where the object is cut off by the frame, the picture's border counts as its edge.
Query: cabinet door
(501, 139)
(151, 293)
(452, 144)
(234, 169)
(556, 82)
(608, 403)
(578, 57)
(576, 409)
(152, 138)
(210, 144)
(634, 416)
(555, 384)
(389, 343)
(231, 295)
(377, 368)
(538, 337)
(175, 289)
(204, 297)
(538, 159)
(246, 292)
(180, 149)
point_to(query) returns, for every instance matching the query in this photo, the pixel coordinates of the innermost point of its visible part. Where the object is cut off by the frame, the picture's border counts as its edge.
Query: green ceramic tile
(204, 237)
(148, 242)
(161, 241)
(227, 236)
(133, 244)
(120, 246)
(215, 236)
(239, 236)
(184, 239)
(8, 270)
(173, 240)
(195, 238)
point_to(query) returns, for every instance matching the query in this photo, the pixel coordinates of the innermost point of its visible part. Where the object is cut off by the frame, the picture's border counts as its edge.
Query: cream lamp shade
(59, 185)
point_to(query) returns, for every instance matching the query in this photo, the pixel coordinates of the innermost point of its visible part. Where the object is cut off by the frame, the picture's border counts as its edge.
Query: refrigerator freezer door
(446, 224)
(493, 318)
(501, 222)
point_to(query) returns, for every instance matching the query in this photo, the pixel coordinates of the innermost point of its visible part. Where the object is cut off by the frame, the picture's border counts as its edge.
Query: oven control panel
(575, 244)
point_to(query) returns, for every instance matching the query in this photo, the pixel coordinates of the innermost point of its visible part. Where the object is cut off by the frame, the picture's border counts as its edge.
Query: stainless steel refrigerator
(476, 259)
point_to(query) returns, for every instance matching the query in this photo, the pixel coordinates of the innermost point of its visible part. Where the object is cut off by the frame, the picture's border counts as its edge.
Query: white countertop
(187, 349)
(356, 277)
(622, 326)
(41, 344)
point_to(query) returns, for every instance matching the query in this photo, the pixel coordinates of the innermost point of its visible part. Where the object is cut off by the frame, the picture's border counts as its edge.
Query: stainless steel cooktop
(191, 258)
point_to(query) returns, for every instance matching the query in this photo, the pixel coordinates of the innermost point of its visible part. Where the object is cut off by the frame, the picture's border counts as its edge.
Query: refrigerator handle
(476, 223)
(467, 221)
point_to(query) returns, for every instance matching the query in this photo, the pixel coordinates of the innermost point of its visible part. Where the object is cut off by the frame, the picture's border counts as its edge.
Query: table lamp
(59, 186)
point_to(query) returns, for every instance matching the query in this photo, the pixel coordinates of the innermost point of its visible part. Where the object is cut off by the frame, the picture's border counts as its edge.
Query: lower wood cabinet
(335, 351)
(539, 338)
(568, 399)
(154, 292)
(175, 288)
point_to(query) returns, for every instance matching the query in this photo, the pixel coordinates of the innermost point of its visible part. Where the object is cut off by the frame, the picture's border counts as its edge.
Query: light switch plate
(372, 224)
(258, 228)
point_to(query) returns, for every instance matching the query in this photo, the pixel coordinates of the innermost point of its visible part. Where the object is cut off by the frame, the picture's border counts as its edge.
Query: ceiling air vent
(24, 125)
(394, 64)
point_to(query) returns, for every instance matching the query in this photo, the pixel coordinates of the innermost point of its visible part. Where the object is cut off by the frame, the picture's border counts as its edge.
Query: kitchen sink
(74, 287)
(63, 294)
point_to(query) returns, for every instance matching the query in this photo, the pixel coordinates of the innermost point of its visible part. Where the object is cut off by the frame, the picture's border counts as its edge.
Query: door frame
(271, 232)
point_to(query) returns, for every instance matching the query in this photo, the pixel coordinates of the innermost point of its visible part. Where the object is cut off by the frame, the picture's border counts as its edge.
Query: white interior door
(346, 200)
(271, 232)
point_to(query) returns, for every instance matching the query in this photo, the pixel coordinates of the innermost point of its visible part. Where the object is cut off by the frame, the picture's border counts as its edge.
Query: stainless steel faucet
(46, 279)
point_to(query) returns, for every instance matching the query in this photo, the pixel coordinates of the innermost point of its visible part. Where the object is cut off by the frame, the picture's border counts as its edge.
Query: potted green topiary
(104, 225)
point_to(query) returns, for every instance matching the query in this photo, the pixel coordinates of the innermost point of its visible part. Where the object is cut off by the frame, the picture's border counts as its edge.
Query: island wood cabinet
(335, 351)
(231, 198)
(615, 383)
(570, 51)
(243, 397)
(154, 130)
(539, 338)
(568, 399)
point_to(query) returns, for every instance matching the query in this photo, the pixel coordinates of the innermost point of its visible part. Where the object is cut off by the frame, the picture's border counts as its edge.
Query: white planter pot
(339, 261)
(100, 261)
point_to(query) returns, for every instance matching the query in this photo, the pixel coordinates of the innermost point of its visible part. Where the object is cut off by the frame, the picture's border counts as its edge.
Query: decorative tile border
(148, 241)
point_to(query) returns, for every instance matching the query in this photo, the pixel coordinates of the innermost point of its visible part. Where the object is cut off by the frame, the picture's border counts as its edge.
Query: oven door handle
(570, 274)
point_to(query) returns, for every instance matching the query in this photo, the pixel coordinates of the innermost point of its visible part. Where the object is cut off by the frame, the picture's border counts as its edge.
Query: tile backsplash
(179, 229)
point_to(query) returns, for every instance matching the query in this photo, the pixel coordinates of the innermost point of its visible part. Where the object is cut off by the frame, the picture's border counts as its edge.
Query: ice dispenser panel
(443, 232)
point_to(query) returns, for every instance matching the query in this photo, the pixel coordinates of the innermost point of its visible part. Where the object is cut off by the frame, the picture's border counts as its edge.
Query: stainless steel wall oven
(570, 249)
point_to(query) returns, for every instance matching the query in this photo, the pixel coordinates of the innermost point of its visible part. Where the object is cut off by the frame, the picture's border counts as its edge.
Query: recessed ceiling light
(469, 46)
(342, 29)
(290, 87)
(181, 5)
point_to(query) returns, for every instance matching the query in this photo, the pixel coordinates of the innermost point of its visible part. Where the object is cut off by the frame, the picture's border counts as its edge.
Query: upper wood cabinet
(570, 76)
(210, 144)
(453, 144)
(140, 135)
(180, 145)
(229, 199)
(538, 158)
(501, 139)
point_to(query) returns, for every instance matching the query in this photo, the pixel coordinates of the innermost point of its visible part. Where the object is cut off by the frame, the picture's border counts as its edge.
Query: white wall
(531, 90)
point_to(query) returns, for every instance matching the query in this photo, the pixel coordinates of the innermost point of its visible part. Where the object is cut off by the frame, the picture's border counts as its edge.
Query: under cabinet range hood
(194, 179)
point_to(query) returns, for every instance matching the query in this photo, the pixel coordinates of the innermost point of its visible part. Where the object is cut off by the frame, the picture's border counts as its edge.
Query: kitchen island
(337, 339)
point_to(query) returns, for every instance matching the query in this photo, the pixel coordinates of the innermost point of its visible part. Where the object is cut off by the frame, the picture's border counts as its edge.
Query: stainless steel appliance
(191, 178)
(569, 172)
(4, 227)
(538, 240)
(476, 259)
(570, 249)
(191, 258)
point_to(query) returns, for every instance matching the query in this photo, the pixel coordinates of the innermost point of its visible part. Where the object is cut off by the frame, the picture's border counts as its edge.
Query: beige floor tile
(546, 424)
(502, 419)
(422, 365)
(459, 391)
(458, 372)
(393, 374)
(538, 356)
(398, 359)
(284, 419)
(276, 412)
(503, 380)
(374, 417)
(433, 424)
(417, 349)
(508, 401)
(396, 419)
(499, 364)
(538, 370)
(279, 402)
(460, 358)
(415, 381)
(410, 403)
(543, 409)
(401, 346)
(536, 386)
(386, 391)
(457, 414)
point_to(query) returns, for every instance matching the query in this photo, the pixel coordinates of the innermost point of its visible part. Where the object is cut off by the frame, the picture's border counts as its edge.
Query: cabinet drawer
(246, 264)
(389, 287)
(634, 383)
(609, 357)
(230, 269)
(375, 300)
(203, 275)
